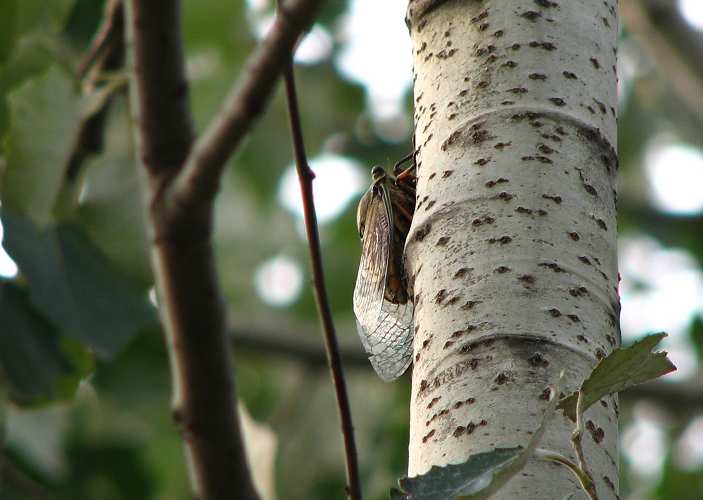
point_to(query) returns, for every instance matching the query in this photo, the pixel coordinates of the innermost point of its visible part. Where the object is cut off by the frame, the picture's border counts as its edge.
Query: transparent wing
(385, 328)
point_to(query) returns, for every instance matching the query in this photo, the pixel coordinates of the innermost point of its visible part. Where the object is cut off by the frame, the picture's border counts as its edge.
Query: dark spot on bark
(555, 198)
(544, 45)
(574, 236)
(527, 279)
(537, 76)
(544, 395)
(433, 402)
(509, 64)
(570, 75)
(428, 436)
(502, 240)
(531, 15)
(500, 180)
(557, 101)
(578, 292)
(461, 272)
(537, 360)
(470, 305)
(501, 269)
(595, 62)
(422, 232)
(554, 312)
(573, 318)
(459, 431)
(442, 241)
(504, 196)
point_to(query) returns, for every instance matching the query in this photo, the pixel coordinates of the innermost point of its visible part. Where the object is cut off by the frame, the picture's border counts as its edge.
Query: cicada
(382, 304)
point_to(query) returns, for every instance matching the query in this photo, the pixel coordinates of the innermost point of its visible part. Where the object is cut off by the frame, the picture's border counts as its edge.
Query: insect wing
(385, 328)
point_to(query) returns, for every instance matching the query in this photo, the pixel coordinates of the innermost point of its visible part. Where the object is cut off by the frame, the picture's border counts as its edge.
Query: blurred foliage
(82, 360)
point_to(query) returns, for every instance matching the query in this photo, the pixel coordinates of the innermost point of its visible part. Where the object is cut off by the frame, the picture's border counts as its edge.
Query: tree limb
(191, 302)
(682, 399)
(683, 77)
(200, 178)
(305, 177)
(161, 86)
(106, 54)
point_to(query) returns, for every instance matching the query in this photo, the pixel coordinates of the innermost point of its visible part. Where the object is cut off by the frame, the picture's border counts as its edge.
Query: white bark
(512, 251)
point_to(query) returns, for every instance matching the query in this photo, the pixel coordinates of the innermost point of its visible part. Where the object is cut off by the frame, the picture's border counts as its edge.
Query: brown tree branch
(104, 41)
(683, 76)
(305, 177)
(191, 302)
(295, 345)
(200, 179)
(682, 399)
(105, 54)
(161, 88)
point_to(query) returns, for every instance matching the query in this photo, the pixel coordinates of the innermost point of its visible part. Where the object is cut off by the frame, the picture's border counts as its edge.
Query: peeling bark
(512, 252)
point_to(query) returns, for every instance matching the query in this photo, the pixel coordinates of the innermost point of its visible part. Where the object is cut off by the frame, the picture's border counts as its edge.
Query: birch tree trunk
(512, 251)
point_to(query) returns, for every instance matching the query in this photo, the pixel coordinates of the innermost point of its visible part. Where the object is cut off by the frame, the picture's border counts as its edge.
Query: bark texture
(512, 252)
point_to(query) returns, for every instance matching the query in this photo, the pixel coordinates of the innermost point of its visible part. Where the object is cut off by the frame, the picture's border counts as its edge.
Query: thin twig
(111, 29)
(201, 176)
(306, 176)
(191, 302)
(576, 442)
(556, 457)
(106, 54)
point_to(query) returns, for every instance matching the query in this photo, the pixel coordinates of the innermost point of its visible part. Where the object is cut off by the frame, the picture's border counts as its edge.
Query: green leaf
(44, 118)
(73, 284)
(82, 364)
(111, 212)
(441, 483)
(620, 370)
(30, 354)
(42, 14)
(480, 476)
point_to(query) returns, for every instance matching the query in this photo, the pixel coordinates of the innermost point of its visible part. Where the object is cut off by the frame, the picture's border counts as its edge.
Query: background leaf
(73, 284)
(30, 353)
(44, 114)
